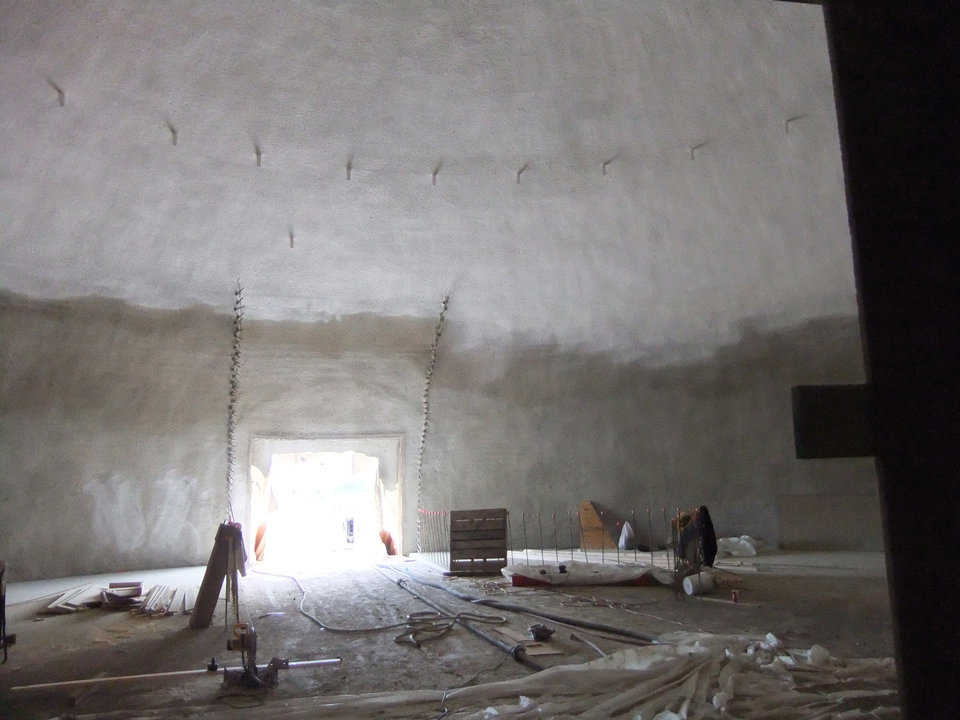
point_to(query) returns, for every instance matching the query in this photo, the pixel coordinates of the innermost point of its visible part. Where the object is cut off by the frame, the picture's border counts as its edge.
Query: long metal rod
(556, 544)
(618, 545)
(583, 545)
(633, 526)
(172, 673)
(540, 528)
(526, 551)
(603, 538)
(650, 531)
(666, 539)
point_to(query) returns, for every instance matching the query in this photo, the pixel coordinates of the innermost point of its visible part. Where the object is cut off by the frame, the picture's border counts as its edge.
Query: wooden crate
(478, 541)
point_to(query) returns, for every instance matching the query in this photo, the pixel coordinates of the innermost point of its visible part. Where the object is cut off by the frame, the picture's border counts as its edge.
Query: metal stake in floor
(650, 531)
(526, 547)
(583, 545)
(556, 545)
(540, 530)
(603, 537)
(666, 536)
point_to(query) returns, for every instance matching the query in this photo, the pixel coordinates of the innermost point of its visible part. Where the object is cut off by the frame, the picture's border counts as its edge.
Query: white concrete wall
(634, 329)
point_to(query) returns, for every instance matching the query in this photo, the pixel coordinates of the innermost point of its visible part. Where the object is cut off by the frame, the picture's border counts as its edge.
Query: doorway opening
(323, 505)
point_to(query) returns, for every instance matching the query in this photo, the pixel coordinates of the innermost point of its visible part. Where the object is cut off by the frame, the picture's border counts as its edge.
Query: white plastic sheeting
(581, 573)
(696, 675)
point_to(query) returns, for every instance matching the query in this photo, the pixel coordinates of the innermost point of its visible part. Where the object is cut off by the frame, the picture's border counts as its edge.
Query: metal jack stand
(251, 676)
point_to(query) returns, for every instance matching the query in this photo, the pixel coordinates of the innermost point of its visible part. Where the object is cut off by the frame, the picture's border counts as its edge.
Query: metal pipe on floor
(517, 652)
(156, 675)
(585, 624)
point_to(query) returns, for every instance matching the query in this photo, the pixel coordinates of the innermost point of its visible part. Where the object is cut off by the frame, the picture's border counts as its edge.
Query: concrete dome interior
(636, 210)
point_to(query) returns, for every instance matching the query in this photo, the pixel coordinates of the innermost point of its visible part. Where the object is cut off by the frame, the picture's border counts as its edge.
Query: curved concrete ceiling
(662, 245)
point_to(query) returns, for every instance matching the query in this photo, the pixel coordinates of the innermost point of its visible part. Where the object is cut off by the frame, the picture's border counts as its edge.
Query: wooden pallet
(478, 541)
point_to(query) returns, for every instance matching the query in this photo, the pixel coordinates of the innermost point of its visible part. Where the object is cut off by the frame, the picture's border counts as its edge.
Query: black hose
(585, 624)
(517, 652)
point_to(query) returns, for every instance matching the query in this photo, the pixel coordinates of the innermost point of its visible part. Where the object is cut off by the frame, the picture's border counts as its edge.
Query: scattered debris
(531, 647)
(157, 601)
(743, 546)
(541, 632)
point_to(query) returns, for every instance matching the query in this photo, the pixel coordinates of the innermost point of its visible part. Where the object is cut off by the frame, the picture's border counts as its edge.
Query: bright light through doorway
(323, 510)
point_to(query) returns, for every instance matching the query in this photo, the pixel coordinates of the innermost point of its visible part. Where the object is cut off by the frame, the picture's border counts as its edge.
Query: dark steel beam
(895, 69)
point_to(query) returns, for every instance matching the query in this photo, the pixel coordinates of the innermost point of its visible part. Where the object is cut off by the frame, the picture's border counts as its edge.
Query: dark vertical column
(895, 68)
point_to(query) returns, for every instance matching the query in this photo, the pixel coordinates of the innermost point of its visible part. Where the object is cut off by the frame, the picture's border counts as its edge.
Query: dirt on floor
(848, 615)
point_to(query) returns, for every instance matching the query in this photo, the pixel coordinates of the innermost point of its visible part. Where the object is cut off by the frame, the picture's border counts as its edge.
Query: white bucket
(698, 584)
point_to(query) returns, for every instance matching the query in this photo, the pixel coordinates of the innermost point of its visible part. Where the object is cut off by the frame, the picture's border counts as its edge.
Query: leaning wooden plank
(176, 603)
(168, 599)
(163, 606)
(148, 596)
(190, 600)
(214, 575)
(155, 600)
(62, 603)
(593, 528)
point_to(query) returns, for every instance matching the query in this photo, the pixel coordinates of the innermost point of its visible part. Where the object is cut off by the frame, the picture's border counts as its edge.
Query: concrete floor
(848, 614)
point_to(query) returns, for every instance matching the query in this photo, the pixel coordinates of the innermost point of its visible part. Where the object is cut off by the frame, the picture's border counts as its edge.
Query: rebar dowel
(445, 538)
(440, 543)
(666, 536)
(509, 541)
(570, 530)
(583, 545)
(556, 544)
(526, 549)
(633, 526)
(650, 531)
(618, 546)
(540, 532)
(676, 541)
(603, 539)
